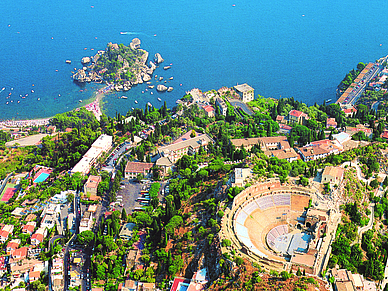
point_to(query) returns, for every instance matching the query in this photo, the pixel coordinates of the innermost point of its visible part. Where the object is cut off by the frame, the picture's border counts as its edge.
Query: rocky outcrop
(85, 60)
(151, 69)
(135, 43)
(158, 58)
(146, 77)
(161, 88)
(80, 76)
(96, 58)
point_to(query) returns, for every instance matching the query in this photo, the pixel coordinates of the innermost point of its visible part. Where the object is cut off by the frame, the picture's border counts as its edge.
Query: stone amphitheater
(269, 224)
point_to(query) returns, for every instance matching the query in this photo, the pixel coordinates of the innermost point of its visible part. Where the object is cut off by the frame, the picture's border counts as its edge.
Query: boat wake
(133, 33)
(129, 32)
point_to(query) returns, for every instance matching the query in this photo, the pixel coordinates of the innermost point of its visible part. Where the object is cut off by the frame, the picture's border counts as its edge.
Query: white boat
(133, 108)
(159, 99)
(2, 89)
(38, 99)
(80, 101)
(152, 93)
(135, 101)
(124, 97)
(149, 104)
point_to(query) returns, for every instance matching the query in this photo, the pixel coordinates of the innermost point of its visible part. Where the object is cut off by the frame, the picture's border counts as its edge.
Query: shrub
(226, 243)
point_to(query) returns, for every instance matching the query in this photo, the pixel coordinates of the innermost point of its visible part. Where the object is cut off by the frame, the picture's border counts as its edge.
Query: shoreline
(93, 106)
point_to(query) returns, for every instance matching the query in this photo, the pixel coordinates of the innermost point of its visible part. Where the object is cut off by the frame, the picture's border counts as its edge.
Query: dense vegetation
(120, 64)
(350, 77)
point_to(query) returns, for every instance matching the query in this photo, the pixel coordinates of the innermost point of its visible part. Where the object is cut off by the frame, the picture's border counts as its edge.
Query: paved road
(358, 170)
(237, 103)
(111, 160)
(54, 238)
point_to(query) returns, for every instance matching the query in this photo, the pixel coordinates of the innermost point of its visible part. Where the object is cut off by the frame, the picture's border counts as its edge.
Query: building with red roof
(349, 111)
(12, 245)
(320, 149)
(38, 236)
(33, 276)
(296, 116)
(91, 185)
(5, 231)
(20, 253)
(209, 110)
(280, 118)
(132, 169)
(284, 129)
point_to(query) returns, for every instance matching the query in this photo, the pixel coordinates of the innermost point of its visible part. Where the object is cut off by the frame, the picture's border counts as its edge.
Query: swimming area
(299, 48)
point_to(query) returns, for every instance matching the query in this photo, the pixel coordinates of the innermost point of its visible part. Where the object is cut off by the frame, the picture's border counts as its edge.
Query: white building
(241, 175)
(86, 222)
(102, 144)
(222, 106)
(246, 92)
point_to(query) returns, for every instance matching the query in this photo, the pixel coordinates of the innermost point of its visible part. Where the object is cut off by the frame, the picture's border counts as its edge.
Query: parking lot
(129, 193)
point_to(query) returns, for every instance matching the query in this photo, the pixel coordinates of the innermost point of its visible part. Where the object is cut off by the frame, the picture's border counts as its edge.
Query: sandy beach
(93, 107)
(24, 123)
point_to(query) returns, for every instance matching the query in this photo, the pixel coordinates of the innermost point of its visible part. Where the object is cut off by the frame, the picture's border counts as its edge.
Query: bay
(295, 48)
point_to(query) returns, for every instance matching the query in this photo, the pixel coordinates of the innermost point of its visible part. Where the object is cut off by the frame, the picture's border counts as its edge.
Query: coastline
(93, 106)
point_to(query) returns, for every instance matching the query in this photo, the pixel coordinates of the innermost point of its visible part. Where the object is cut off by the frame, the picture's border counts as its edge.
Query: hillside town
(228, 190)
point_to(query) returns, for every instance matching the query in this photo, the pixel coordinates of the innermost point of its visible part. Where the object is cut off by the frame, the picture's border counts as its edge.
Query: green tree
(85, 238)
(123, 215)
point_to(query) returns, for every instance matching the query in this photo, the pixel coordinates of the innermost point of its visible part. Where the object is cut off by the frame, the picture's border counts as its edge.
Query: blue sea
(295, 48)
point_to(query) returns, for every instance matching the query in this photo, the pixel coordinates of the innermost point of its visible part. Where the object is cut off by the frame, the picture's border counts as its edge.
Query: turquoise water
(42, 177)
(294, 48)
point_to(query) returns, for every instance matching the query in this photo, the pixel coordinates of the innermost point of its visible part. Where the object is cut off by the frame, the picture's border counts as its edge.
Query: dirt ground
(299, 202)
(27, 141)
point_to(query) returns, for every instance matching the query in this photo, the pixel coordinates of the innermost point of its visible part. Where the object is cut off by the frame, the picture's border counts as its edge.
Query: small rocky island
(124, 66)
